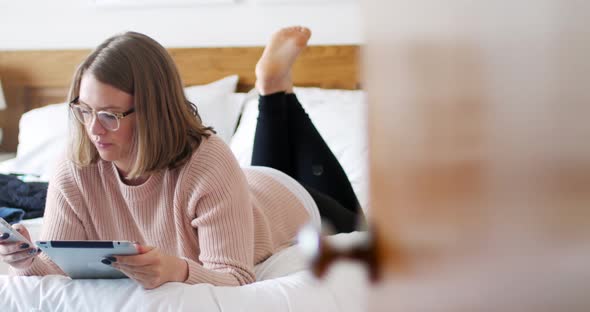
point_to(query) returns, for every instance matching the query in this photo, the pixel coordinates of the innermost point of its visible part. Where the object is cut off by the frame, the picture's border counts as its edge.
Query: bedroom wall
(72, 24)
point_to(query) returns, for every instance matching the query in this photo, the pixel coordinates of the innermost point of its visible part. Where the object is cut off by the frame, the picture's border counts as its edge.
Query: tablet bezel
(82, 259)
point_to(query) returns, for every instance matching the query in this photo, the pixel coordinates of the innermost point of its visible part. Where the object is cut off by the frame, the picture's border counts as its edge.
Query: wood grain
(33, 79)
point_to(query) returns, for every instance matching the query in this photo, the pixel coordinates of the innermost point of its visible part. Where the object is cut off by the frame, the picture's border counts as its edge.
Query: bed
(219, 81)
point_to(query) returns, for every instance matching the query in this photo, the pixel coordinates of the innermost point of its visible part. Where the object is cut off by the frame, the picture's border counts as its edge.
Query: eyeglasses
(109, 120)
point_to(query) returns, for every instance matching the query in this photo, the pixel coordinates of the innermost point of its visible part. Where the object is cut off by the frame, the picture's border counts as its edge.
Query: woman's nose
(95, 127)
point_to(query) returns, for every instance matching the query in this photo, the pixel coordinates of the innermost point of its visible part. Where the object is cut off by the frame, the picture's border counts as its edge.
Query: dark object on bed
(28, 196)
(11, 215)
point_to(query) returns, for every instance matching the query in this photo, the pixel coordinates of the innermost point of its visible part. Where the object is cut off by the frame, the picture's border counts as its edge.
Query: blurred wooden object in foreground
(480, 154)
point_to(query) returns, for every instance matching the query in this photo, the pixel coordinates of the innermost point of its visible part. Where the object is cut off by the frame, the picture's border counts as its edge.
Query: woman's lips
(102, 145)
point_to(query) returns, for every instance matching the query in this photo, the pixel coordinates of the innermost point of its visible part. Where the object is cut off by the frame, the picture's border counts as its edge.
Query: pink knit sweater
(221, 219)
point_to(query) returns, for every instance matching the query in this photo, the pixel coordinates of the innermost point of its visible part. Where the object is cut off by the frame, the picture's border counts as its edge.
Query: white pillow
(218, 106)
(42, 139)
(340, 117)
(43, 132)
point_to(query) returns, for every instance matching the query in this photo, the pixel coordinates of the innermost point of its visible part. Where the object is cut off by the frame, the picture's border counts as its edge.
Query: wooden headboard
(32, 79)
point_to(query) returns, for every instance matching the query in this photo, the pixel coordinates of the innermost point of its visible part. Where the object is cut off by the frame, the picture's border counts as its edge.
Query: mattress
(284, 283)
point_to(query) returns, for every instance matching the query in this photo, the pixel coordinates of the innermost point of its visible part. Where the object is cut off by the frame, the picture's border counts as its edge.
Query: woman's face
(112, 146)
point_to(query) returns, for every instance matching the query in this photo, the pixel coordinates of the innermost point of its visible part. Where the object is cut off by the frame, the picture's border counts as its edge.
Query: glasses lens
(83, 115)
(109, 121)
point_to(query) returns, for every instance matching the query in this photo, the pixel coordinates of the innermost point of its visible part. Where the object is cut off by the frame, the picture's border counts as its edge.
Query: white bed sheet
(284, 285)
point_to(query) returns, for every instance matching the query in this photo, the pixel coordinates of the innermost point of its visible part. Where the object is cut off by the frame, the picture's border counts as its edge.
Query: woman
(142, 167)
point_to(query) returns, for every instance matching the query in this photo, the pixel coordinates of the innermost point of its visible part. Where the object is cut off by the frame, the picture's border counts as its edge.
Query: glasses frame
(74, 104)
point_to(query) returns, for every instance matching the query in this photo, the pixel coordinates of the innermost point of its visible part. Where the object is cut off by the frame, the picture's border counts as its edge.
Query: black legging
(287, 140)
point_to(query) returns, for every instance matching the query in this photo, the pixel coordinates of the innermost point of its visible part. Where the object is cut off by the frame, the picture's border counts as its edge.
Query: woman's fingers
(22, 230)
(19, 256)
(148, 268)
(13, 252)
(11, 248)
(145, 269)
(147, 281)
(129, 274)
(137, 275)
(147, 256)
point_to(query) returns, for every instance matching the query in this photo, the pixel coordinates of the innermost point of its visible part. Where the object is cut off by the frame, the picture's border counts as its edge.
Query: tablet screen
(83, 259)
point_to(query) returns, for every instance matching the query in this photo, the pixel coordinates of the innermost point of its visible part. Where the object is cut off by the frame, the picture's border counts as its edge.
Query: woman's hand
(19, 255)
(150, 267)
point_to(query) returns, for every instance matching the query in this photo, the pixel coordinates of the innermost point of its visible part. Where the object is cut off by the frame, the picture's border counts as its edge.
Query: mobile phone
(15, 236)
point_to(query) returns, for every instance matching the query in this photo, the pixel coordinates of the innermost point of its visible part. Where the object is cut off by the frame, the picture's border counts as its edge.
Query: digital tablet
(82, 259)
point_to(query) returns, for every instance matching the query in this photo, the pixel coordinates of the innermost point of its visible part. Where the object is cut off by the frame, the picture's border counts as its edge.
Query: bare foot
(273, 71)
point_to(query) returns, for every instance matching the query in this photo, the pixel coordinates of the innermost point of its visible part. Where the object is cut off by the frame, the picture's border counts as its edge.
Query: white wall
(63, 24)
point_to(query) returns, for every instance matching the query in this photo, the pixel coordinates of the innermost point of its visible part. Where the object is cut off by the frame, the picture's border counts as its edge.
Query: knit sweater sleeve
(59, 223)
(223, 218)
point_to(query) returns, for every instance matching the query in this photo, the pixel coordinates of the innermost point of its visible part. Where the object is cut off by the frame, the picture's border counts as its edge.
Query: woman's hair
(168, 126)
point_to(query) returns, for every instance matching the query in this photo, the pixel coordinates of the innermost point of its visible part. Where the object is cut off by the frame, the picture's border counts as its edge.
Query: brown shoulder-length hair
(168, 126)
